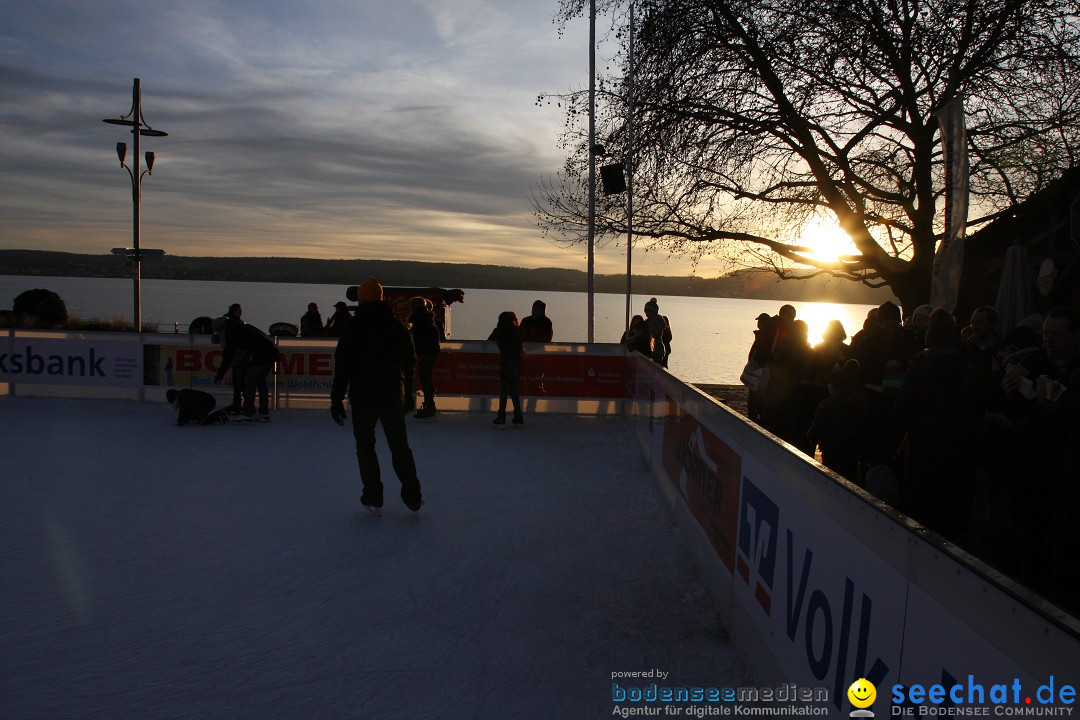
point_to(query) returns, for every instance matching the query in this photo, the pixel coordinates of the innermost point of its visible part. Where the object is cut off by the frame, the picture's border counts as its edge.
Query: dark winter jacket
(246, 343)
(876, 347)
(425, 334)
(374, 357)
(509, 341)
(338, 321)
(194, 405)
(536, 329)
(311, 324)
(843, 426)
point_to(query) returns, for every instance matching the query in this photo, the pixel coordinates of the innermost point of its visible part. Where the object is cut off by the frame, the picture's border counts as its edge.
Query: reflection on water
(711, 336)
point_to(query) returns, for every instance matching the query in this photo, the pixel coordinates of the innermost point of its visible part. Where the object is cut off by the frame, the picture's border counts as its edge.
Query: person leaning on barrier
(507, 337)
(660, 329)
(373, 358)
(311, 324)
(335, 326)
(537, 326)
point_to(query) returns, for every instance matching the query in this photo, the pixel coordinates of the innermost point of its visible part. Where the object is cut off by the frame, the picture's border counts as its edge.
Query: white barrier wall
(574, 378)
(822, 585)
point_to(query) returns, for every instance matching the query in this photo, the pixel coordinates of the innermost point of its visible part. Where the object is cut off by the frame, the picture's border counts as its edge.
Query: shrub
(116, 324)
(45, 307)
(201, 324)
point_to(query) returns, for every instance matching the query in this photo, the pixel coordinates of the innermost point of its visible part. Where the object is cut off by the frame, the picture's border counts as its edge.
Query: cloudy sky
(396, 129)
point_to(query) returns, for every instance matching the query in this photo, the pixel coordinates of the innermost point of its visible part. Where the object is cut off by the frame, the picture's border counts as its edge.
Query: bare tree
(752, 116)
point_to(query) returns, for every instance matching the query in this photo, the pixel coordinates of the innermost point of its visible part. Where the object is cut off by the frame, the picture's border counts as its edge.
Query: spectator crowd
(973, 432)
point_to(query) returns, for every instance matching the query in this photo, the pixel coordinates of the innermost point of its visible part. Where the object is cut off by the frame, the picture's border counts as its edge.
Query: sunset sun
(826, 241)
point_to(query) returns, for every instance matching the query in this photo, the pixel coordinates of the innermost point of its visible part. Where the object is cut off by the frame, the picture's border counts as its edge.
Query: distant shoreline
(743, 284)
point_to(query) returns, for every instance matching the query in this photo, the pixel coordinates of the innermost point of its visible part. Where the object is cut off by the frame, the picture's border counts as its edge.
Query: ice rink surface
(155, 571)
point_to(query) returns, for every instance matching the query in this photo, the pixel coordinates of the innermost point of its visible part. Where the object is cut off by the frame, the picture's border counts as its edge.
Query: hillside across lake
(741, 284)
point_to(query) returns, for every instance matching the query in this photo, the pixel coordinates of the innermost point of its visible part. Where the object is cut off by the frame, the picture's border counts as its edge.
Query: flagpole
(592, 164)
(630, 168)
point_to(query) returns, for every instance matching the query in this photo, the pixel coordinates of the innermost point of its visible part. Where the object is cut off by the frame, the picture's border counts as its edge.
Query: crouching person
(195, 406)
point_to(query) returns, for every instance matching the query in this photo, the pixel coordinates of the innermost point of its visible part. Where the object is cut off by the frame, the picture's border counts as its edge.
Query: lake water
(711, 335)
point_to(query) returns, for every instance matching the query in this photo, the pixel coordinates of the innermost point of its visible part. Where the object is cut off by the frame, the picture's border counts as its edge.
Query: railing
(822, 584)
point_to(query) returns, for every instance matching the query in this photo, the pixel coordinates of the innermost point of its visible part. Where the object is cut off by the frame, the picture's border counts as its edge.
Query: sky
(391, 129)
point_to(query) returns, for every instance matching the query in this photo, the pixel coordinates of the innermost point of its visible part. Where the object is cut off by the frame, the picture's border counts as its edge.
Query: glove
(337, 411)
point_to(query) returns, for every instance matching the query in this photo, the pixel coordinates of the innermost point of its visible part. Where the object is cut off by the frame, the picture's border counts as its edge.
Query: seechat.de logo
(862, 694)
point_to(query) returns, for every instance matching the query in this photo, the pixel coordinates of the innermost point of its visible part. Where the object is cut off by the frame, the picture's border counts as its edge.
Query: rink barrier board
(818, 582)
(573, 378)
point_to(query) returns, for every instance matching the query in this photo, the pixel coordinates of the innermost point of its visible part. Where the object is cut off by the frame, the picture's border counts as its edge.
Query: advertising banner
(542, 375)
(706, 471)
(833, 609)
(457, 372)
(86, 361)
(309, 370)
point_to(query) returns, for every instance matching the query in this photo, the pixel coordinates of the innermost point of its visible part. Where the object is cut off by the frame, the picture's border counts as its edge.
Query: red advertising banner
(707, 473)
(299, 369)
(310, 370)
(542, 374)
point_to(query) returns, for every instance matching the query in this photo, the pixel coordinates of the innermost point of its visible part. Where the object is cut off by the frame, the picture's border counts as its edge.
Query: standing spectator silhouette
(1042, 392)
(660, 329)
(373, 358)
(537, 326)
(841, 424)
(788, 410)
(832, 352)
(311, 323)
(940, 406)
(980, 340)
(628, 333)
(508, 338)
(638, 339)
(761, 355)
(779, 385)
(885, 346)
(335, 326)
(425, 335)
(916, 327)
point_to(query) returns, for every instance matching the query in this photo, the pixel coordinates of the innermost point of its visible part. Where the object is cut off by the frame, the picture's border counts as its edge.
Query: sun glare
(818, 315)
(827, 242)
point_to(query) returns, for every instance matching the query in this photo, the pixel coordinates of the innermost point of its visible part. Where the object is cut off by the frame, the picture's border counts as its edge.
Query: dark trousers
(365, 415)
(509, 375)
(256, 380)
(427, 382)
(239, 377)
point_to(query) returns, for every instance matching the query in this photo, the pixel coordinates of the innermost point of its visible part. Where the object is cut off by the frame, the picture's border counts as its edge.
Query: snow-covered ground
(155, 571)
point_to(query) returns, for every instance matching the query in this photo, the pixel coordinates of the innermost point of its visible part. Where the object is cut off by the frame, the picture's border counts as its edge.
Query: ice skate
(425, 413)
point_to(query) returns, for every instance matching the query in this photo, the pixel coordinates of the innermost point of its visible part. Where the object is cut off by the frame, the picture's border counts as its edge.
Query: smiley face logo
(862, 693)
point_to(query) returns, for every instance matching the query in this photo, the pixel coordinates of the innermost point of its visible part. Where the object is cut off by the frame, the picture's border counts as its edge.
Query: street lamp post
(139, 128)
